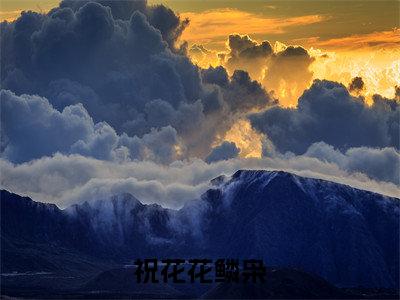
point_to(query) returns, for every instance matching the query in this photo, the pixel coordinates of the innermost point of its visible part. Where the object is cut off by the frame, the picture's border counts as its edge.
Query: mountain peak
(248, 173)
(106, 209)
(348, 236)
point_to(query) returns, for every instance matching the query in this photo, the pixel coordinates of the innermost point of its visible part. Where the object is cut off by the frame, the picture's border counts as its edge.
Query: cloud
(101, 98)
(134, 76)
(227, 101)
(288, 74)
(212, 26)
(128, 61)
(245, 94)
(380, 164)
(283, 70)
(378, 68)
(326, 112)
(64, 180)
(246, 54)
(288, 77)
(356, 85)
(224, 151)
(202, 56)
(159, 16)
(242, 93)
(32, 128)
(387, 39)
(217, 75)
(46, 130)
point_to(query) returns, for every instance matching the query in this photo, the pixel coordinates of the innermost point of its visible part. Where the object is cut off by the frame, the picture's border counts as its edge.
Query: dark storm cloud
(159, 16)
(224, 151)
(246, 54)
(240, 91)
(124, 62)
(245, 93)
(32, 128)
(217, 75)
(120, 9)
(356, 85)
(238, 43)
(328, 113)
(241, 46)
(119, 59)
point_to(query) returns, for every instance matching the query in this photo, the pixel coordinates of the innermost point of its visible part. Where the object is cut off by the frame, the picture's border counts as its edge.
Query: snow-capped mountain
(348, 236)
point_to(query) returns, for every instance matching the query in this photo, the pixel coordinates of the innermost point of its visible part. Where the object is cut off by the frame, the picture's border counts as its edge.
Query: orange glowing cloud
(215, 24)
(9, 15)
(246, 138)
(380, 39)
(379, 69)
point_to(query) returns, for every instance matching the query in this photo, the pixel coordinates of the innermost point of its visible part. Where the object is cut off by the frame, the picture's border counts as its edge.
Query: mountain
(109, 230)
(347, 236)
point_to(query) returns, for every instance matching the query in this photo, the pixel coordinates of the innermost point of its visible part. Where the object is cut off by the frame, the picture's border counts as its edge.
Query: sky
(157, 98)
(286, 21)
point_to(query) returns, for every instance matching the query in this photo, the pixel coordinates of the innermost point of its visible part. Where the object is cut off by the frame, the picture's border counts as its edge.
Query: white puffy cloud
(67, 179)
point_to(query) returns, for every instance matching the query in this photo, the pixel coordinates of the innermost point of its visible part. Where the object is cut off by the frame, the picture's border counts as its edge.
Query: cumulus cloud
(135, 76)
(129, 61)
(159, 16)
(242, 94)
(32, 128)
(247, 54)
(216, 75)
(224, 151)
(328, 113)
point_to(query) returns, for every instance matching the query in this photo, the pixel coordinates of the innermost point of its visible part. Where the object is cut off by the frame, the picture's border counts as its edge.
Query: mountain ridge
(346, 235)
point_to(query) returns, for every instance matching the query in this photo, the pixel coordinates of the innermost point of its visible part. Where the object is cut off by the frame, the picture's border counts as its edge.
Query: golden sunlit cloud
(379, 69)
(375, 61)
(216, 25)
(203, 57)
(9, 15)
(387, 39)
(246, 138)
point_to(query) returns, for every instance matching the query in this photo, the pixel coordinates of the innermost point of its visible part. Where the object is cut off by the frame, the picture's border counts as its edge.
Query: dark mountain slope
(348, 236)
